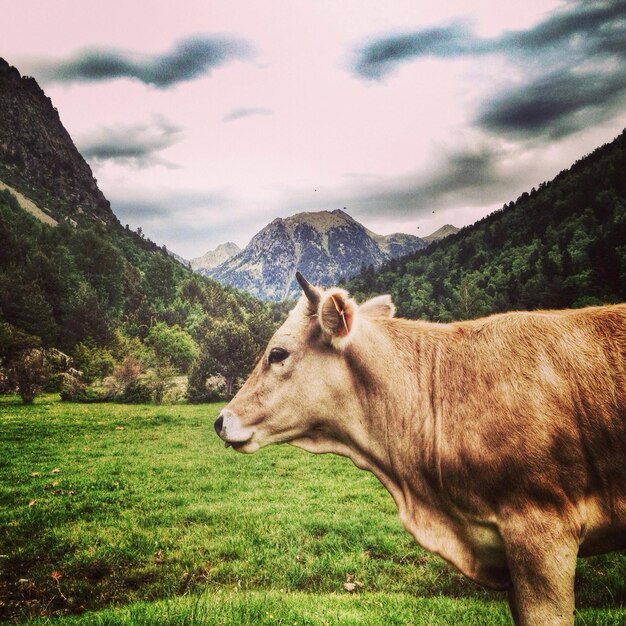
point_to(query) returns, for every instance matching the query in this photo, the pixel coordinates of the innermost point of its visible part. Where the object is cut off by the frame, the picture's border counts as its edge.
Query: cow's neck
(398, 436)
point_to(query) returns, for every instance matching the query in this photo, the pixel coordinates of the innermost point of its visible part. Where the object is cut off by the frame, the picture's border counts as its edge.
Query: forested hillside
(561, 245)
(104, 300)
(130, 318)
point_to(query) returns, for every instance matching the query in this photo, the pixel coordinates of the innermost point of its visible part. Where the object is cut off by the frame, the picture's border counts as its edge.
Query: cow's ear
(380, 306)
(337, 316)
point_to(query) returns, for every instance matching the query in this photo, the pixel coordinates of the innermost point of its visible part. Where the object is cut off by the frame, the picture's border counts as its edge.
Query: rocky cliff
(38, 157)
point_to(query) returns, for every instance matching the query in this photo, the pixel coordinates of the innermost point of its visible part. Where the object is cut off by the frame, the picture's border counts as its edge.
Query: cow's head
(305, 388)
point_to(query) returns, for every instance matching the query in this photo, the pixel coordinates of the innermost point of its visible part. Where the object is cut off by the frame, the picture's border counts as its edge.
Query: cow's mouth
(248, 446)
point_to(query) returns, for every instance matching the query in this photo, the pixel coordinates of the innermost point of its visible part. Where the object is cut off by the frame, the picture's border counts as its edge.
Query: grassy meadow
(114, 514)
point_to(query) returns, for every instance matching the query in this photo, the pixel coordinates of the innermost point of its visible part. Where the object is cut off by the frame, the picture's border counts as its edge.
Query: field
(114, 514)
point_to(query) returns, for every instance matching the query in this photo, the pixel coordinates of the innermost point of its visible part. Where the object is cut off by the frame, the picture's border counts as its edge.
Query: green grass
(150, 520)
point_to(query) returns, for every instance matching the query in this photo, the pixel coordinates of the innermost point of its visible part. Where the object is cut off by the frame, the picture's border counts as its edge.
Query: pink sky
(410, 114)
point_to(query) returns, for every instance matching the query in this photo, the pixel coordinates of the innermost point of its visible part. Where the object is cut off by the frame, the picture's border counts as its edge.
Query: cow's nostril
(218, 424)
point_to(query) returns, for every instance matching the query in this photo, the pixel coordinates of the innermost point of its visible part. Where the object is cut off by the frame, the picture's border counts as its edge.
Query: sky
(203, 120)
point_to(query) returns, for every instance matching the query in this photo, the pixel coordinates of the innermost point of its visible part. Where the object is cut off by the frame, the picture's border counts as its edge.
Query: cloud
(157, 206)
(474, 176)
(188, 221)
(467, 176)
(556, 104)
(134, 144)
(380, 57)
(587, 25)
(571, 67)
(237, 114)
(586, 29)
(190, 58)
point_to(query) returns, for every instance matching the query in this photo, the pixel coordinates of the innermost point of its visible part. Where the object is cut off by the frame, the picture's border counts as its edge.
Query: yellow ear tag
(342, 313)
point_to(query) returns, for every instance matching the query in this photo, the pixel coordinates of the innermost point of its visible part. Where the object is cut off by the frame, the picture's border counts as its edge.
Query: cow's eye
(277, 355)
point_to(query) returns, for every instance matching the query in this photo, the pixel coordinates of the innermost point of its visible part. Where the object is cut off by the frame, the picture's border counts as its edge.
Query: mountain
(73, 278)
(216, 257)
(38, 157)
(442, 232)
(325, 246)
(562, 244)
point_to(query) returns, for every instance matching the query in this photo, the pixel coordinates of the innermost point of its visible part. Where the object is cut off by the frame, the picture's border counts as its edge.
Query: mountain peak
(325, 246)
(213, 258)
(442, 232)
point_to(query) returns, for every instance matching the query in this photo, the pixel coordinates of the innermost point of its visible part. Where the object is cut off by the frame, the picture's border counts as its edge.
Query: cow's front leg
(541, 556)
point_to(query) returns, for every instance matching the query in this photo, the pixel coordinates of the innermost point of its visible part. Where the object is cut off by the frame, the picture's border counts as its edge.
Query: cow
(502, 440)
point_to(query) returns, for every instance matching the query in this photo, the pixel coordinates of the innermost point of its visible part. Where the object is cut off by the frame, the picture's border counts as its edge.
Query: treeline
(130, 318)
(561, 245)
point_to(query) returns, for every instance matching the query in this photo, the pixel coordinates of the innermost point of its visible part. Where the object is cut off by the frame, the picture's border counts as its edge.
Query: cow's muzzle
(228, 427)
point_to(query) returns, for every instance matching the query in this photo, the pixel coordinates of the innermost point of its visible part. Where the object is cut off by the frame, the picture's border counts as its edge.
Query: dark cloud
(596, 24)
(237, 114)
(190, 58)
(573, 63)
(467, 176)
(556, 104)
(380, 57)
(136, 144)
(587, 29)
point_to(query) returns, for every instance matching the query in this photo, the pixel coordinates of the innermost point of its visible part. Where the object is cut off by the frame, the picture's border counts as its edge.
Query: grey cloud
(573, 62)
(190, 58)
(380, 57)
(596, 23)
(189, 222)
(469, 176)
(600, 26)
(237, 114)
(556, 104)
(136, 144)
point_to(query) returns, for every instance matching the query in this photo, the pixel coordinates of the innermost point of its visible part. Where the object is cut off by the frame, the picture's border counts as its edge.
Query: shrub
(126, 383)
(28, 373)
(172, 346)
(137, 392)
(94, 362)
(216, 388)
(73, 389)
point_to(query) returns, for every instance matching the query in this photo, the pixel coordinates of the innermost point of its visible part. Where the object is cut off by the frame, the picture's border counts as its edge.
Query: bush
(216, 388)
(94, 362)
(136, 392)
(199, 373)
(73, 389)
(29, 373)
(159, 381)
(126, 384)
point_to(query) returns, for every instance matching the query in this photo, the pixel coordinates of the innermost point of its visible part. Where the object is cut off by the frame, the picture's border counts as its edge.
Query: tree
(173, 346)
(159, 278)
(85, 316)
(228, 348)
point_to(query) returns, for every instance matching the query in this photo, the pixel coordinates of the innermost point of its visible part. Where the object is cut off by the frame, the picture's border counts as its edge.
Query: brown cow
(502, 440)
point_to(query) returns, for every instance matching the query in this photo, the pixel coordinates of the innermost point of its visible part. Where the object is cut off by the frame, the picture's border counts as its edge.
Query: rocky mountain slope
(442, 232)
(38, 157)
(216, 257)
(325, 246)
